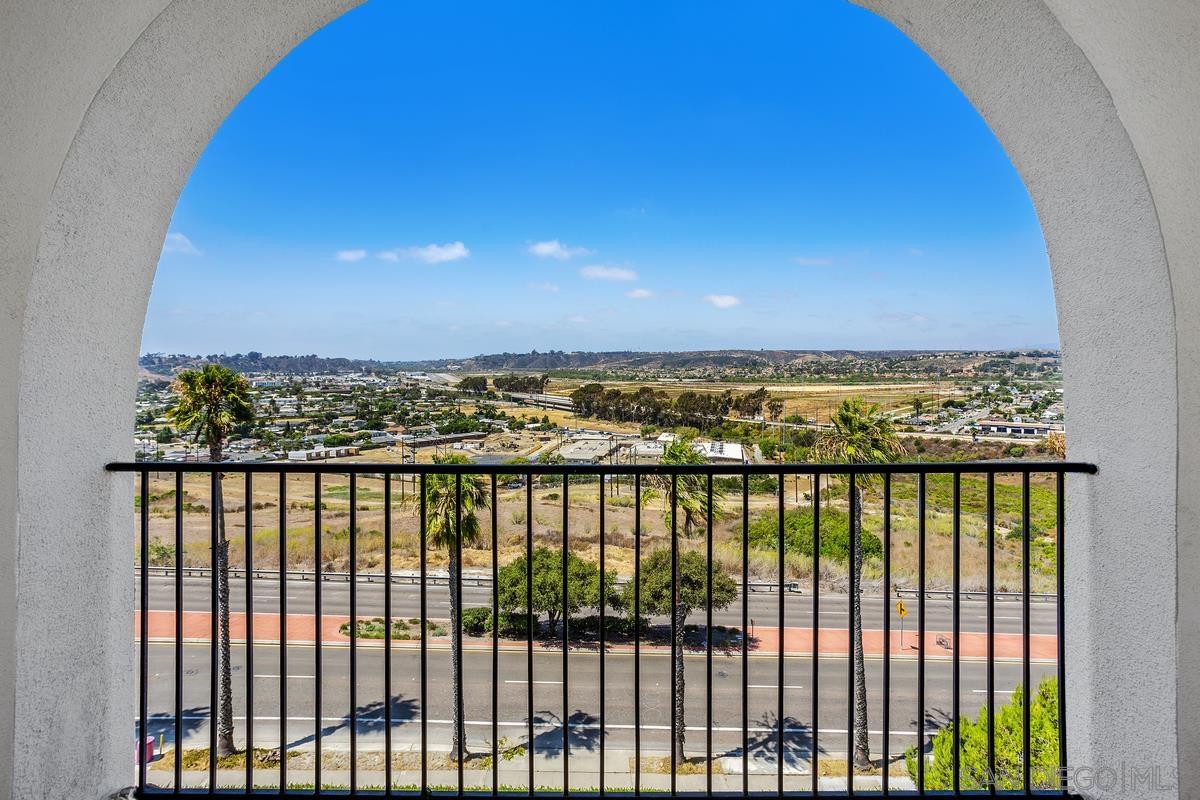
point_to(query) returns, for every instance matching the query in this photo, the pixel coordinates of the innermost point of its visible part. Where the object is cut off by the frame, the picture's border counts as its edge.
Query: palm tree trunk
(862, 747)
(680, 620)
(225, 745)
(455, 656)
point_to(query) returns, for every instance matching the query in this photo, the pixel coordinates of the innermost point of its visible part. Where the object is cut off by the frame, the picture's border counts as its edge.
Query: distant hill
(166, 365)
(161, 364)
(694, 359)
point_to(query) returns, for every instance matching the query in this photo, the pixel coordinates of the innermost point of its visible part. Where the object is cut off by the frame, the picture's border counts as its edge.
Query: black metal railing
(916, 527)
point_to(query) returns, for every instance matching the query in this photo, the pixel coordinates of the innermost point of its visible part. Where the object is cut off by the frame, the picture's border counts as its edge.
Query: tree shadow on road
(163, 724)
(371, 718)
(583, 732)
(763, 747)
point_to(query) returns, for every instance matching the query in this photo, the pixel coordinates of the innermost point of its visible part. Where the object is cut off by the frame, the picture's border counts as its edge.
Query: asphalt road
(764, 606)
(583, 700)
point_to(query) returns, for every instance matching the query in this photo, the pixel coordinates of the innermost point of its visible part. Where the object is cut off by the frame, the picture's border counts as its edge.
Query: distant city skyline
(440, 182)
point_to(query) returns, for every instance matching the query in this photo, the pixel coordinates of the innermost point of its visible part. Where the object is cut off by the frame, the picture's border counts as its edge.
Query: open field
(811, 400)
(584, 526)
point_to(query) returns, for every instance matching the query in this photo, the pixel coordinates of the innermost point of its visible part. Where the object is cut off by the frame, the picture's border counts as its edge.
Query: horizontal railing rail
(528, 698)
(796, 468)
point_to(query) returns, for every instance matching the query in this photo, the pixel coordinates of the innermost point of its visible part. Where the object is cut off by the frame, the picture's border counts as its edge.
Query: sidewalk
(302, 630)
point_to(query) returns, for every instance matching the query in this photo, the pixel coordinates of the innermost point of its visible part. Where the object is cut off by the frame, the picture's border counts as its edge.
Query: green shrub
(798, 534)
(476, 621)
(973, 743)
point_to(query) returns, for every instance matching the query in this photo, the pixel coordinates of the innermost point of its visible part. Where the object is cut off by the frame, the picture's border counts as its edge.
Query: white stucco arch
(122, 104)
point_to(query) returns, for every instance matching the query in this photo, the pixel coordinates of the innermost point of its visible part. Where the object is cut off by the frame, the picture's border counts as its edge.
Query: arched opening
(109, 208)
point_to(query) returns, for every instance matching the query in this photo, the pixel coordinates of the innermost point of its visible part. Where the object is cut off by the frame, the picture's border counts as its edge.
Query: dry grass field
(299, 517)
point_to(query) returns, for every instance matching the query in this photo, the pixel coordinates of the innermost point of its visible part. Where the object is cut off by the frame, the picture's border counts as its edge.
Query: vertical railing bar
(745, 633)
(887, 632)
(674, 623)
(991, 632)
(1026, 749)
(178, 746)
(782, 753)
(853, 599)
(1060, 549)
(920, 631)
(144, 633)
(318, 747)
(956, 527)
(424, 567)
(283, 645)
(495, 641)
(456, 631)
(708, 624)
(529, 622)
(637, 637)
(387, 632)
(816, 630)
(353, 633)
(566, 641)
(214, 612)
(249, 540)
(603, 643)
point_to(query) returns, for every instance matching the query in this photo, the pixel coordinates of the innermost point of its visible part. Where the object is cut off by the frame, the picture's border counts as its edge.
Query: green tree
(583, 586)
(973, 742)
(860, 434)
(442, 514)
(211, 401)
(689, 593)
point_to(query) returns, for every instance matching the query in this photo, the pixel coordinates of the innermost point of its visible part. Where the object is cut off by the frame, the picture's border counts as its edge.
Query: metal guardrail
(403, 578)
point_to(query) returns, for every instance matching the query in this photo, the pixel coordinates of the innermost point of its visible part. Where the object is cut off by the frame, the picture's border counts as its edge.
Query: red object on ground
(144, 751)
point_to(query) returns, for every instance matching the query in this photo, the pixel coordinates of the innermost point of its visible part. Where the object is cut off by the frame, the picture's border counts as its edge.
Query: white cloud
(556, 249)
(812, 262)
(603, 272)
(350, 255)
(639, 294)
(178, 243)
(722, 300)
(429, 253)
(578, 319)
(544, 286)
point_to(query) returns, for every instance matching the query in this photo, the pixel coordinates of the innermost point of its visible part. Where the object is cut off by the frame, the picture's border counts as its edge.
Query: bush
(973, 736)
(759, 484)
(798, 534)
(476, 621)
(1015, 451)
(514, 626)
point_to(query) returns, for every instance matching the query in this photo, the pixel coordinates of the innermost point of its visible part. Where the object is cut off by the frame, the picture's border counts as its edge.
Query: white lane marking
(290, 677)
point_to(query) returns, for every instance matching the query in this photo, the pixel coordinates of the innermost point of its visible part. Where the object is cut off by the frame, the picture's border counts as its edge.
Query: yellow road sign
(901, 609)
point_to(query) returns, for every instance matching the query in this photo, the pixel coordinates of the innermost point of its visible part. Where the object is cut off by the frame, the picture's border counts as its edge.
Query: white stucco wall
(1058, 124)
(1147, 56)
(105, 109)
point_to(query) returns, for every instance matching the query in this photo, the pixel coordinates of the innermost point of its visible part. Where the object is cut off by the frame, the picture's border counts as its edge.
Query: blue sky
(426, 180)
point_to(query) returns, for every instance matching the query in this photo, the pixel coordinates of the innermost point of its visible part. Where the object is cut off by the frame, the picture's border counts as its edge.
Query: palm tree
(212, 400)
(442, 525)
(861, 434)
(692, 498)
